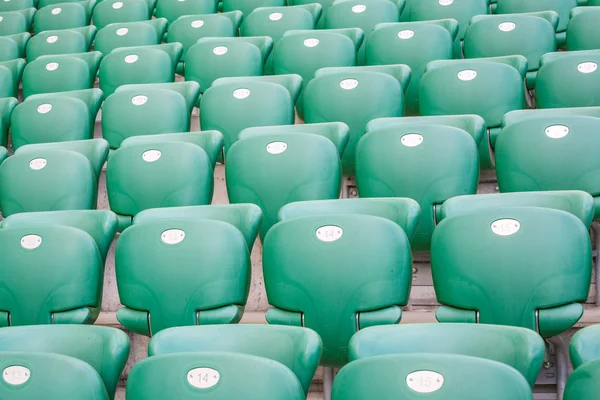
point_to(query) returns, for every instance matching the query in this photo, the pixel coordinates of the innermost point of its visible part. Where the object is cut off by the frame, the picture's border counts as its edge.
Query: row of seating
(277, 362)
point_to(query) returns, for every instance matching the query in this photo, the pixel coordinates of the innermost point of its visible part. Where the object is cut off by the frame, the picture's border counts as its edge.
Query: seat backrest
(210, 287)
(14, 22)
(561, 7)
(51, 274)
(583, 382)
(248, 6)
(230, 376)
(315, 277)
(61, 16)
(519, 348)
(583, 29)
(567, 79)
(63, 41)
(585, 346)
(16, 5)
(525, 287)
(297, 348)
(397, 162)
(409, 376)
(47, 180)
(43, 375)
(11, 72)
(104, 349)
(7, 106)
(325, 4)
(129, 34)
(173, 9)
(118, 11)
(11, 47)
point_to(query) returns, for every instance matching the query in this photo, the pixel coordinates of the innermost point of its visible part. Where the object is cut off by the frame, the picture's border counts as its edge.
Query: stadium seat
(519, 348)
(530, 35)
(47, 180)
(221, 57)
(325, 4)
(149, 109)
(130, 34)
(139, 65)
(63, 16)
(585, 346)
(55, 117)
(101, 225)
(247, 6)
(521, 115)
(561, 7)
(212, 281)
(49, 376)
(118, 11)
(273, 169)
(212, 376)
(51, 274)
(568, 79)
(10, 77)
(355, 96)
(63, 41)
(315, 277)
(413, 376)
(246, 217)
(363, 14)
(7, 105)
(396, 161)
(16, 5)
(583, 29)
(60, 73)
(104, 349)
(303, 52)
(157, 174)
(297, 348)
(414, 44)
(528, 281)
(173, 9)
(15, 22)
(234, 104)
(461, 11)
(488, 87)
(583, 382)
(13, 46)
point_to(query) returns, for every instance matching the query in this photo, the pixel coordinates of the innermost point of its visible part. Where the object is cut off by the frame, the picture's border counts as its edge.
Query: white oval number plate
(122, 31)
(220, 50)
(424, 381)
(587, 67)
(31, 242)
(348, 84)
(446, 2)
(117, 5)
(406, 34)
(52, 39)
(44, 108)
(275, 16)
(276, 147)
(197, 23)
(557, 131)
(329, 233)
(172, 236)
(151, 155)
(139, 100)
(507, 26)
(359, 8)
(130, 59)
(203, 378)
(312, 42)
(56, 11)
(16, 375)
(52, 66)
(506, 227)
(412, 140)
(241, 94)
(37, 163)
(467, 75)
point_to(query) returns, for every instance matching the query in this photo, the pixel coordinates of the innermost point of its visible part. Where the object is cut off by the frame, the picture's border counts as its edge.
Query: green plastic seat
(212, 281)
(13, 46)
(299, 349)
(16, 5)
(576, 202)
(584, 29)
(462, 11)
(64, 41)
(104, 349)
(161, 174)
(561, 7)
(315, 277)
(539, 282)
(567, 79)
(173, 9)
(304, 52)
(63, 16)
(55, 117)
(3, 154)
(585, 346)
(530, 35)
(139, 65)
(101, 225)
(10, 77)
(221, 57)
(363, 14)
(15, 22)
(130, 34)
(7, 105)
(117, 11)
(188, 29)
(47, 180)
(355, 96)
(229, 376)
(48, 376)
(531, 155)
(231, 105)
(274, 169)
(51, 274)
(325, 4)
(135, 110)
(414, 44)
(520, 115)
(488, 87)
(60, 73)
(247, 6)
(583, 382)
(519, 348)
(447, 376)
